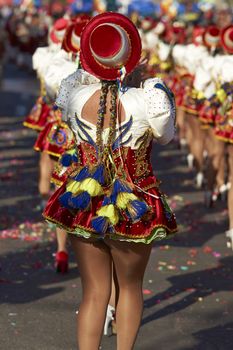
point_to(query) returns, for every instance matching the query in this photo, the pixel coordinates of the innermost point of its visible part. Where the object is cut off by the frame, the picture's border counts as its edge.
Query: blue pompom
(99, 174)
(81, 201)
(66, 159)
(106, 201)
(83, 174)
(65, 198)
(100, 224)
(75, 158)
(136, 210)
(118, 187)
(55, 107)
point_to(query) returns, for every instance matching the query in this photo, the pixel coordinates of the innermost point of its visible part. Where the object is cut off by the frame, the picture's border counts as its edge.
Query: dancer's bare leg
(46, 166)
(180, 119)
(196, 140)
(112, 300)
(219, 162)
(130, 260)
(230, 193)
(95, 267)
(61, 240)
(216, 151)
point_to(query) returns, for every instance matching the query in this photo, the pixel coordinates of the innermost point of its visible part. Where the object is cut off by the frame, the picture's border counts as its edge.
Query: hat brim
(206, 41)
(67, 43)
(53, 37)
(222, 39)
(87, 60)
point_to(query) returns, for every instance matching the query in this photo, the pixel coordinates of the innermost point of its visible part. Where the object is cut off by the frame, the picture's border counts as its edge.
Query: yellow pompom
(110, 212)
(92, 187)
(221, 95)
(200, 95)
(165, 65)
(73, 186)
(153, 60)
(71, 151)
(123, 199)
(194, 93)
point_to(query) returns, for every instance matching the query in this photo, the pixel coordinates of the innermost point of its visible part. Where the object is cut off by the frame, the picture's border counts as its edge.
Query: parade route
(188, 286)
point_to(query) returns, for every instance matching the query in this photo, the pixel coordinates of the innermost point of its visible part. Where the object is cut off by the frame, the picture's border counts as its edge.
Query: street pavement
(188, 286)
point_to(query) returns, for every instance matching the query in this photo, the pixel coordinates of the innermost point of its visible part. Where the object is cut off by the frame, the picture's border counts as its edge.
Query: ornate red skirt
(207, 114)
(158, 224)
(38, 115)
(54, 139)
(224, 126)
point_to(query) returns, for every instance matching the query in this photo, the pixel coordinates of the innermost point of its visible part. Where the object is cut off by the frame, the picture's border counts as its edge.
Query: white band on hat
(227, 40)
(159, 29)
(119, 58)
(212, 40)
(59, 34)
(75, 40)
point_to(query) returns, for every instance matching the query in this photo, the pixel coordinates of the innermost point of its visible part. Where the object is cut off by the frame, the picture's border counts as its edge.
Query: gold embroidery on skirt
(141, 163)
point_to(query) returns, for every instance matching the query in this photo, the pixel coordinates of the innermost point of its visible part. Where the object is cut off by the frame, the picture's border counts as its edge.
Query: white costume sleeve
(160, 110)
(79, 77)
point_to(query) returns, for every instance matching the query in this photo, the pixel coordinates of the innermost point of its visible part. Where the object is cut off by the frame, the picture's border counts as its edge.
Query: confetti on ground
(178, 198)
(216, 254)
(193, 252)
(147, 292)
(165, 247)
(191, 262)
(207, 250)
(29, 231)
(184, 268)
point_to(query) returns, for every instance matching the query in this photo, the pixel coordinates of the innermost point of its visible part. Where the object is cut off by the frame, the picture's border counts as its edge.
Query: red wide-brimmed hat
(197, 35)
(227, 38)
(148, 23)
(110, 44)
(178, 33)
(58, 31)
(71, 40)
(211, 36)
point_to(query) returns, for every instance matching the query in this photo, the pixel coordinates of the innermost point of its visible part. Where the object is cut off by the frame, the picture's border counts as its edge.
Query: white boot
(229, 235)
(190, 160)
(109, 318)
(223, 188)
(183, 143)
(199, 179)
(205, 154)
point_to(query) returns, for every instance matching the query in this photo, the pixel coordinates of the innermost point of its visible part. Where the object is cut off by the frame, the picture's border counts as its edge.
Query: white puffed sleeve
(160, 110)
(39, 57)
(79, 77)
(56, 72)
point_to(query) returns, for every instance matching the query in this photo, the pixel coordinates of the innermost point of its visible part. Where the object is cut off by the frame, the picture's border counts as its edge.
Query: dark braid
(105, 87)
(100, 120)
(113, 111)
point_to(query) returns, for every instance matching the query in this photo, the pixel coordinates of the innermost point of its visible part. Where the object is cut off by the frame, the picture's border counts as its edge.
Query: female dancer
(224, 119)
(111, 203)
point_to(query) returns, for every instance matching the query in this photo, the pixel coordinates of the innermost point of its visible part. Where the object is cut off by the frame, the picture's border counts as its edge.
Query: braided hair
(112, 87)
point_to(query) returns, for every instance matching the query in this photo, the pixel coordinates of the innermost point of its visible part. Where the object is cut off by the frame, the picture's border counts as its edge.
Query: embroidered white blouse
(151, 107)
